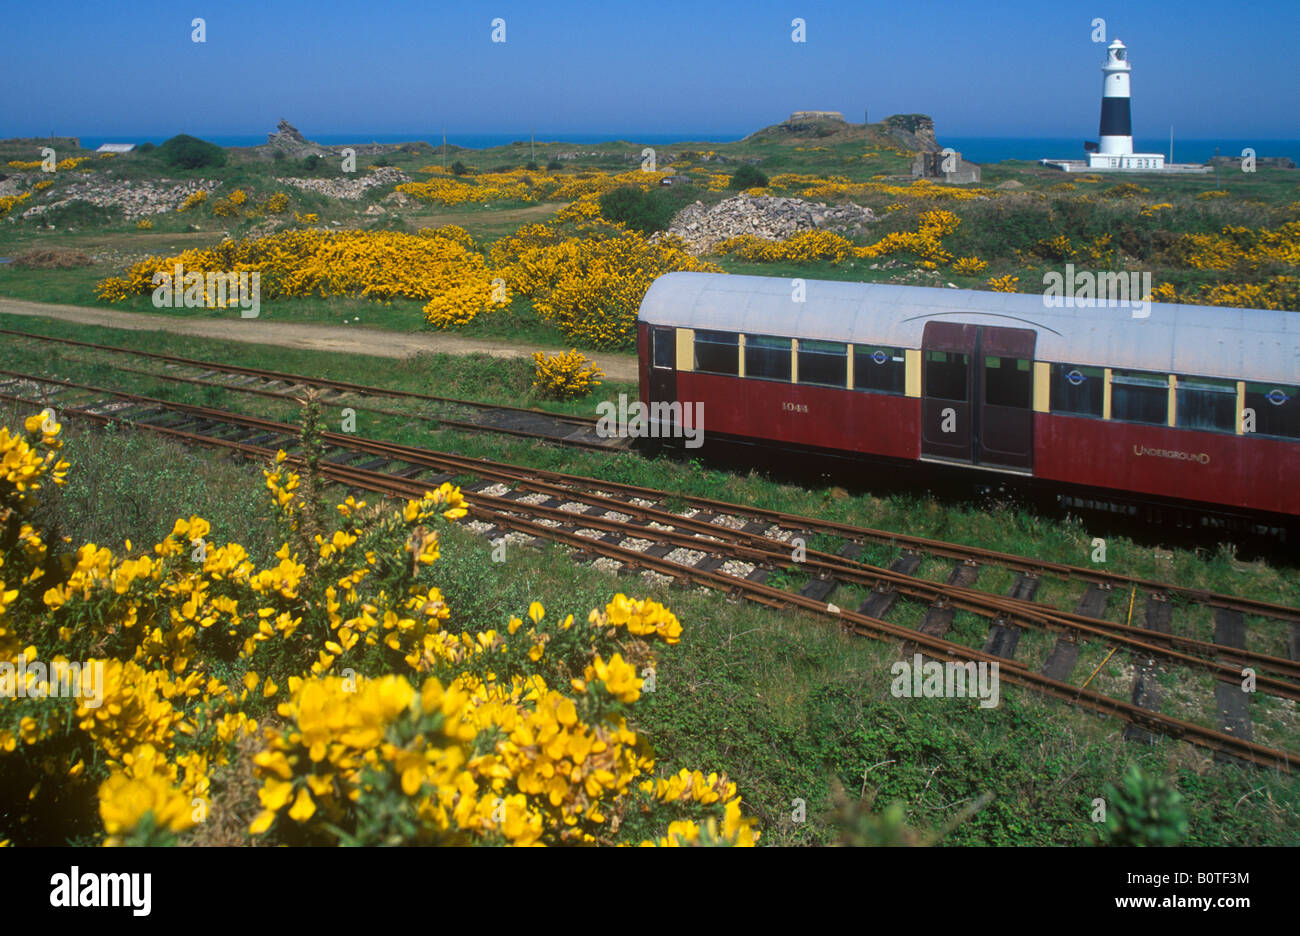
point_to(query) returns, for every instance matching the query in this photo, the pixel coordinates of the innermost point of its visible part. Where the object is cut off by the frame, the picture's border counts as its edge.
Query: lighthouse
(1114, 148)
(1116, 118)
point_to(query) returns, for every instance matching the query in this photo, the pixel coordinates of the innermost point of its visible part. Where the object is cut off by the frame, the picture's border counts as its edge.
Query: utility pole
(1216, 167)
(444, 149)
(1171, 144)
(532, 157)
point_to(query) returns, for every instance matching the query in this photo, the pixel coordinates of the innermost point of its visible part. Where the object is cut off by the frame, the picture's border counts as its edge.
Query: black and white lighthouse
(1116, 133)
(1114, 148)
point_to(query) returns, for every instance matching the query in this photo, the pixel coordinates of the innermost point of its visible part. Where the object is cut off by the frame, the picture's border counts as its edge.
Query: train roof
(1211, 341)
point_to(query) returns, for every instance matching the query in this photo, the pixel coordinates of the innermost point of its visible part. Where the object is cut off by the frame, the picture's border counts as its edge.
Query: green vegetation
(644, 211)
(796, 712)
(187, 152)
(747, 177)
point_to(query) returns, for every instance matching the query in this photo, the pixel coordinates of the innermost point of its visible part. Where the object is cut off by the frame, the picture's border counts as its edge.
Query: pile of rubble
(136, 199)
(353, 188)
(765, 216)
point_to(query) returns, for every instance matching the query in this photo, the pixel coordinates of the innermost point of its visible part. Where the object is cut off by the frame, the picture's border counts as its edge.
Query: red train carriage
(1188, 405)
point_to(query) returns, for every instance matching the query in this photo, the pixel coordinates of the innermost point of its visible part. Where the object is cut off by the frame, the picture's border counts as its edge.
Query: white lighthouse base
(1141, 161)
(1100, 162)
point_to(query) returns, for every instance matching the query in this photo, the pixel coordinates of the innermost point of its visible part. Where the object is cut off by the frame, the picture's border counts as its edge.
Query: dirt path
(351, 340)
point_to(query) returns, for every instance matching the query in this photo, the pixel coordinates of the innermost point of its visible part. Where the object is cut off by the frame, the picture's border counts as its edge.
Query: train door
(947, 426)
(1005, 427)
(663, 369)
(977, 395)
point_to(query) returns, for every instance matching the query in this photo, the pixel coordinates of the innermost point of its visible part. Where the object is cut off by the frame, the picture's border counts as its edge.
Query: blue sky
(709, 68)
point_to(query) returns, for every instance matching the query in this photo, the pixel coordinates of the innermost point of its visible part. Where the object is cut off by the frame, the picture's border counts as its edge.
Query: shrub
(531, 166)
(145, 147)
(968, 266)
(187, 152)
(335, 672)
(553, 165)
(459, 302)
(193, 200)
(1144, 810)
(747, 177)
(638, 209)
(565, 376)
(459, 168)
(51, 258)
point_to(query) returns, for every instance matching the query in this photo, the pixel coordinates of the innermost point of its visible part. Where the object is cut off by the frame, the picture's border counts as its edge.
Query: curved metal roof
(1208, 341)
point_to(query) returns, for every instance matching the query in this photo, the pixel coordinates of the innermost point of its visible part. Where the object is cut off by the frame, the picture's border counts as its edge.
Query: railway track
(447, 412)
(737, 549)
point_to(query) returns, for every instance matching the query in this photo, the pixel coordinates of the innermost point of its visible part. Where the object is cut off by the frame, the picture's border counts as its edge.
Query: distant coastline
(975, 149)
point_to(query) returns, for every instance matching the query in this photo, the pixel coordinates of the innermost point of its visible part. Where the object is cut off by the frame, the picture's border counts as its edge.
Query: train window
(1206, 403)
(1007, 382)
(767, 357)
(1276, 409)
(717, 352)
(1078, 390)
(664, 341)
(1139, 397)
(880, 370)
(945, 375)
(824, 363)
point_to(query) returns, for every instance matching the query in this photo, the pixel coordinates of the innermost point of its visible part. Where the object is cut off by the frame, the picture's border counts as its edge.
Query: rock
(766, 216)
(293, 144)
(350, 189)
(1011, 184)
(914, 131)
(137, 199)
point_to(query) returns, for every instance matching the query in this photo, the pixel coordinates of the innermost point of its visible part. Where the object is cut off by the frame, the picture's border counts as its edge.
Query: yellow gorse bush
(807, 246)
(7, 202)
(193, 200)
(968, 266)
(590, 285)
(391, 724)
(565, 375)
(1276, 292)
(921, 189)
(301, 263)
(522, 185)
(72, 162)
(1239, 248)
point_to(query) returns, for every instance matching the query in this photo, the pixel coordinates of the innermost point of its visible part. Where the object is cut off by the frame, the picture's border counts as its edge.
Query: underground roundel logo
(1075, 378)
(880, 357)
(1277, 397)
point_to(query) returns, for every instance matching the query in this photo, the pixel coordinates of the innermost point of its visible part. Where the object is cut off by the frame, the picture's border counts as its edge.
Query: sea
(982, 149)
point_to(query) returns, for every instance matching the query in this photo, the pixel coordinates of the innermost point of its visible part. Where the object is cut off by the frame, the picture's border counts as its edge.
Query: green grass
(787, 706)
(476, 377)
